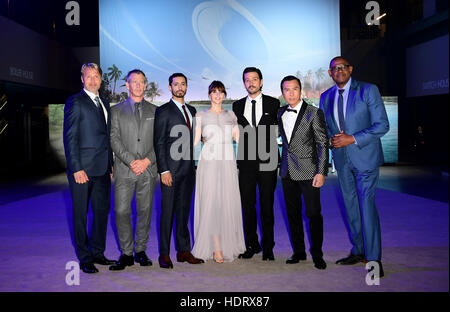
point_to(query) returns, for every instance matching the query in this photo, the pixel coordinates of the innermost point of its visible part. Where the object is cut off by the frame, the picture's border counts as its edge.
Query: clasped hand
(138, 166)
(342, 139)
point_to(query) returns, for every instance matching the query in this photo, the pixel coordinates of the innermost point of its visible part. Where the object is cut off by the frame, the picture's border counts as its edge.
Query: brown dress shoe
(165, 262)
(188, 257)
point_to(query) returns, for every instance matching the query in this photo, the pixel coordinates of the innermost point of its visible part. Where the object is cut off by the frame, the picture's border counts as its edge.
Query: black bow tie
(291, 110)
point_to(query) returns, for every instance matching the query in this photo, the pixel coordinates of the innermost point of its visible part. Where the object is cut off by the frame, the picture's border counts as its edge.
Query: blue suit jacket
(365, 119)
(86, 137)
(174, 149)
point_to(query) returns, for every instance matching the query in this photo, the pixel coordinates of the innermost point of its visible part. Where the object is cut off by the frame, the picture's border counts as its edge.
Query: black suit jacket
(248, 145)
(86, 137)
(306, 154)
(167, 118)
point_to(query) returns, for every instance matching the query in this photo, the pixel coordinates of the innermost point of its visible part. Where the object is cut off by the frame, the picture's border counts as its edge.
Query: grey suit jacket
(128, 142)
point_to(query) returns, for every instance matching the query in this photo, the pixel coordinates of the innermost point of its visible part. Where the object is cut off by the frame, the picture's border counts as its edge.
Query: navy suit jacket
(365, 119)
(86, 137)
(173, 142)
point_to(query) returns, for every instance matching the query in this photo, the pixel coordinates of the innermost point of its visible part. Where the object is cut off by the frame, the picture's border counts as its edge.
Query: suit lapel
(241, 107)
(192, 111)
(299, 119)
(351, 98)
(330, 107)
(94, 108)
(280, 122)
(265, 107)
(130, 114)
(181, 115)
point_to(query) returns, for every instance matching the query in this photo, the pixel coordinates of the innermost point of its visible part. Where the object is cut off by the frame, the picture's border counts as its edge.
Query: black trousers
(266, 181)
(176, 202)
(97, 191)
(293, 191)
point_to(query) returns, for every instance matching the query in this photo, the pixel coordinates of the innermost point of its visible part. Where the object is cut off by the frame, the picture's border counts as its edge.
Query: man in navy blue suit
(89, 166)
(173, 143)
(356, 120)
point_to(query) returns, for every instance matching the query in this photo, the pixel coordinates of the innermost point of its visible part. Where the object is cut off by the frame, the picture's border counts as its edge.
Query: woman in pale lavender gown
(218, 229)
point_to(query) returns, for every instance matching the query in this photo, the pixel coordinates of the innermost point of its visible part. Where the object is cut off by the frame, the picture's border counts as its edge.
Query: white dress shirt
(289, 119)
(258, 108)
(93, 96)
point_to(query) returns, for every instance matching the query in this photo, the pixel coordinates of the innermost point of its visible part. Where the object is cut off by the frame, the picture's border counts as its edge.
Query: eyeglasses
(337, 68)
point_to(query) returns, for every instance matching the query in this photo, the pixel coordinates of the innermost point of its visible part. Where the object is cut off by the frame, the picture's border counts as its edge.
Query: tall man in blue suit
(356, 120)
(173, 143)
(89, 166)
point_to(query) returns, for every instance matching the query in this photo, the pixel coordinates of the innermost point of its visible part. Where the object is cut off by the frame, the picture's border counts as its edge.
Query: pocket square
(149, 118)
(266, 113)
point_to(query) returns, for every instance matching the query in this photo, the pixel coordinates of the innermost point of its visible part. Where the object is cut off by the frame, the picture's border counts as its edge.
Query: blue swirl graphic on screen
(208, 21)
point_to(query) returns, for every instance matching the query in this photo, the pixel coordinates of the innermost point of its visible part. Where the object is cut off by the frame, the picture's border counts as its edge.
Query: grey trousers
(124, 189)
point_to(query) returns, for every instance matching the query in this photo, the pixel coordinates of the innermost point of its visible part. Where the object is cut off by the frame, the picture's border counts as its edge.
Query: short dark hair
(176, 75)
(217, 85)
(337, 58)
(289, 78)
(251, 70)
(136, 71)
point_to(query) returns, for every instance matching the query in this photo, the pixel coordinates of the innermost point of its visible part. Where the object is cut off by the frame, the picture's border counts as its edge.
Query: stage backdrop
(216, 40)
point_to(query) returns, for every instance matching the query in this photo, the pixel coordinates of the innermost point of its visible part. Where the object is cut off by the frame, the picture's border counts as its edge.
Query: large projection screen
(216, 40)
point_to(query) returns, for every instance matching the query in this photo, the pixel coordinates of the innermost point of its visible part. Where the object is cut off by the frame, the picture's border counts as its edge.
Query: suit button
(139, 140)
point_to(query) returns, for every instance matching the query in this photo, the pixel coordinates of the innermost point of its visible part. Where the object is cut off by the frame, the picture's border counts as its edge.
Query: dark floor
(426, 182)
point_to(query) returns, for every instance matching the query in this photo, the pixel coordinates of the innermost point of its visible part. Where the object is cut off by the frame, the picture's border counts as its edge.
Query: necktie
(100, 108)
(253, 113)
(341, 110)
(137, 113)
(291, 110)
(187, 116)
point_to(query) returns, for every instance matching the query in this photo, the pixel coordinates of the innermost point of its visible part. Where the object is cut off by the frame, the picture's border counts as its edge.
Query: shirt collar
(132, 102)
(297, 107)
(257, 99)
(90, 94)
(178, 104)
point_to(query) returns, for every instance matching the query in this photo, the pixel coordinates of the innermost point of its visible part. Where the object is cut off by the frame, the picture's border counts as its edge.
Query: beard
(253, 90)
(179, 93)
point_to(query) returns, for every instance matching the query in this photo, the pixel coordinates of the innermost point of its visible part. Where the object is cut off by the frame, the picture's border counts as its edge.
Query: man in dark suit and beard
(257, 162)
(173, 142)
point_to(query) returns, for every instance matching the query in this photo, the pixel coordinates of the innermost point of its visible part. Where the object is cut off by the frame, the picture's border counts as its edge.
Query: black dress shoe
(268, 255)
(123, 262)
(142, 259)
(351, 259)
(165, 262)
(250, 252)
(296, 257)
(104, 261)
(381, 271)
(319, 263)
(88, 268)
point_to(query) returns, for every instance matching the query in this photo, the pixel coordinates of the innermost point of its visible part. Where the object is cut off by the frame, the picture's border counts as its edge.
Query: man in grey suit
(135, 169)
